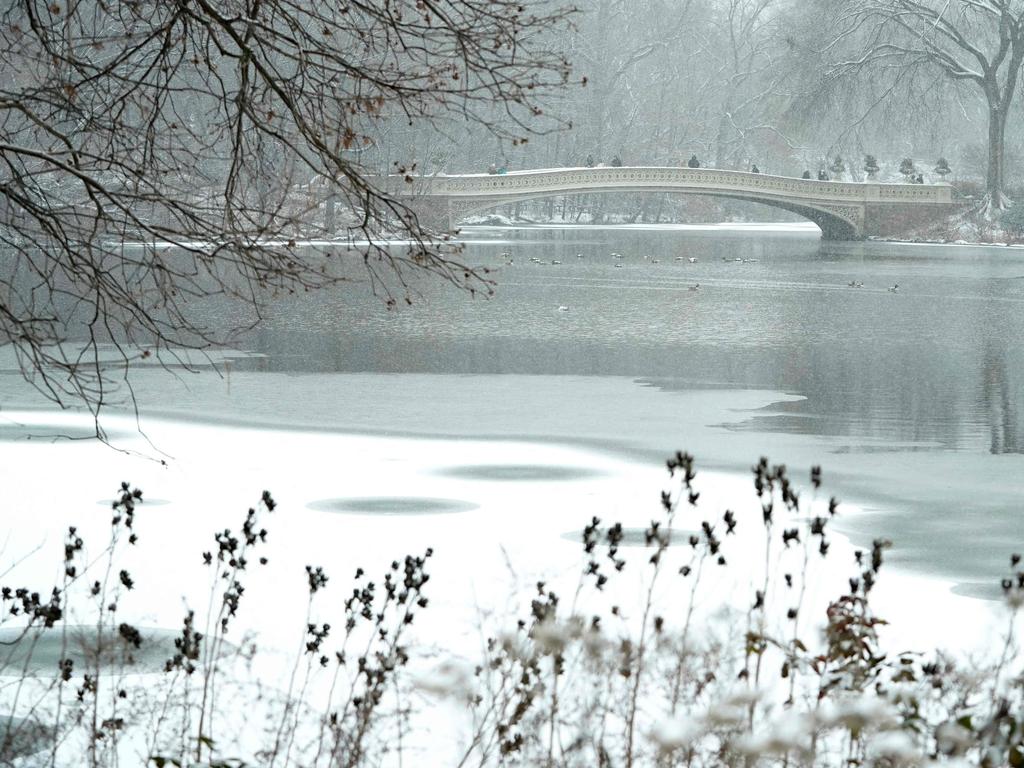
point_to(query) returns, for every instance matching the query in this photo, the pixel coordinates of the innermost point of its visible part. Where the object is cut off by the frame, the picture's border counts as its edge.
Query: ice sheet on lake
(505, 532)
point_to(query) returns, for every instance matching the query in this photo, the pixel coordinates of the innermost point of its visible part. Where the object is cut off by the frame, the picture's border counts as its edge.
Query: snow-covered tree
(976, 43)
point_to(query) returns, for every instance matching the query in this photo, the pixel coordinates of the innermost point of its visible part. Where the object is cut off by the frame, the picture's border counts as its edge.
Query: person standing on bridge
(822, 176)
(590, 161)
(693, 162)
(807, 175)
(755, 169)
(616, 162)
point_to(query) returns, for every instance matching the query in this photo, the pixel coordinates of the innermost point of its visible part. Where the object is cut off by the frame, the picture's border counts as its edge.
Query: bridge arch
(843, 210)
(833, 225)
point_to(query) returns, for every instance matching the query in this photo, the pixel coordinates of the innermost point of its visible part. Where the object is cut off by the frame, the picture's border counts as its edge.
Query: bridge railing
(519, 183)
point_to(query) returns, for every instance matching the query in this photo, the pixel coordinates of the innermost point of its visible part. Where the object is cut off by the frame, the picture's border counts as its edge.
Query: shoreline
(858, 527)
(780, 227)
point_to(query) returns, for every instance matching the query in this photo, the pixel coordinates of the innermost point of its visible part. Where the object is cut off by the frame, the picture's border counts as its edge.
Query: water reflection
(935, 365)
(1001, 400)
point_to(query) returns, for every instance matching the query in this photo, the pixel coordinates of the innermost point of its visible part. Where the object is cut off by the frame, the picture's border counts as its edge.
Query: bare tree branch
(155, 154)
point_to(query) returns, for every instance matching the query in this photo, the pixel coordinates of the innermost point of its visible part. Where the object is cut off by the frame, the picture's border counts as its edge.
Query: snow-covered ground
(499, 514)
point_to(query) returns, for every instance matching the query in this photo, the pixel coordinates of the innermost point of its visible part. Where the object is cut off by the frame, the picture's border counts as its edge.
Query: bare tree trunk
(995, 198)
(723, 124)
(981, 44)
(639, 207)
(657, 211)
(597, 113)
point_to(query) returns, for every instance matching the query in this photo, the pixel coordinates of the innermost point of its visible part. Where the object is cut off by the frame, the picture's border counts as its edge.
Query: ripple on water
(40, 650)
(392, 505)
(632, 537)
(21, 737)
(518, 472)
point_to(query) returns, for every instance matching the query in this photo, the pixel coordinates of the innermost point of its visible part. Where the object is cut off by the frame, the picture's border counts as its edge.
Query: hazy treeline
(738, 83)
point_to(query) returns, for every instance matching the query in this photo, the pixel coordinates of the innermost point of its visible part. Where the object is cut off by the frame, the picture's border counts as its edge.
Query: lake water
(911, 400)
(493, 430)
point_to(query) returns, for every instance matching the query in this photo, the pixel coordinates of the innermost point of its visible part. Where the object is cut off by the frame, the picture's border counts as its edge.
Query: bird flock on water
(618, 257)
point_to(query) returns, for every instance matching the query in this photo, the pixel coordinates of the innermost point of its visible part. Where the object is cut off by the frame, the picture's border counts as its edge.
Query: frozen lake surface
(492, 430)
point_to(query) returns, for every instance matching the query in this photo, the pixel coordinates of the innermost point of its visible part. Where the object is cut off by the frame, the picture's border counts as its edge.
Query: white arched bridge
(843, 210)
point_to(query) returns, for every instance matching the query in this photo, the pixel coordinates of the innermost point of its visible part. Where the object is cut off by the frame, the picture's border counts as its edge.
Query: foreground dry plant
(766, 678)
